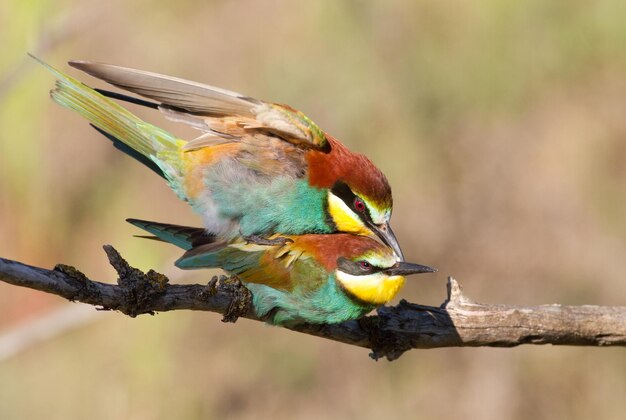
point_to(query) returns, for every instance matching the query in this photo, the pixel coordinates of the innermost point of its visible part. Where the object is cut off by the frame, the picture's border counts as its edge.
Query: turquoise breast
(280, 205)
(327, 305)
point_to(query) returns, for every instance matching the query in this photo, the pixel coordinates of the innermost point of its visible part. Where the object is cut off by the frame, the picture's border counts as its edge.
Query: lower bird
(318, 279)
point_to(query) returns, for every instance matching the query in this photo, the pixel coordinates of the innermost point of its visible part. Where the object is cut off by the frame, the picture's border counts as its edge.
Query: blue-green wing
(276, 266)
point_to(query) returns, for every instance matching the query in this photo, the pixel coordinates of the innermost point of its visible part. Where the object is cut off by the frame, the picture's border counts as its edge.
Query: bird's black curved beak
(404, 268)
(385, 233)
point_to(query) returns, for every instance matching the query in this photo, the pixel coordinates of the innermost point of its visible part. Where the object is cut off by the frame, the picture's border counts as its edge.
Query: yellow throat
(376, 289)
(345, 219)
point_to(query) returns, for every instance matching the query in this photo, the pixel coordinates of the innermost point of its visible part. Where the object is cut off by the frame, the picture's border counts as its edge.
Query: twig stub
(459, 322)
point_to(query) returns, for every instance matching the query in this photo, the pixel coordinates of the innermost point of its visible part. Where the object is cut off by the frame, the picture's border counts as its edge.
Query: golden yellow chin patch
(345, 219)
(377, 288)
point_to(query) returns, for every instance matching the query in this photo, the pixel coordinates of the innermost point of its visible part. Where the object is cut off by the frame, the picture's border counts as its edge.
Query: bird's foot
(260, 240)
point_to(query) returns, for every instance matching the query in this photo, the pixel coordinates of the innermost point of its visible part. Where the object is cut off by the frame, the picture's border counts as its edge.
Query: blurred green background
(501, 126)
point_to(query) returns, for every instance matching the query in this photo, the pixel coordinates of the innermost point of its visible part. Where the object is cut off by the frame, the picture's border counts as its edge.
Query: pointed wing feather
(250, 262)
(191, 96)
(206, 105)
(271, 265)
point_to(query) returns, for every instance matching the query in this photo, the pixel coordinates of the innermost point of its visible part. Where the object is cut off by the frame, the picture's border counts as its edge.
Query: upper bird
(257, 169)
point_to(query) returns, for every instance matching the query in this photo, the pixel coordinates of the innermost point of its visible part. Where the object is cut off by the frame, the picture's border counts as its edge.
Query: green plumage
(311, 295)
(149, 142)
(327, 305)
(270, 206)
(257, 169)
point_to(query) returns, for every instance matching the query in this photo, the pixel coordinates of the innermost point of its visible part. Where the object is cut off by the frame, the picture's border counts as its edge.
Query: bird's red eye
(365, 265)
(359, 205)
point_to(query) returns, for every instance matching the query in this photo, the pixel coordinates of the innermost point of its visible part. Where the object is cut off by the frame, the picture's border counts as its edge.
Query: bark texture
(458, 322)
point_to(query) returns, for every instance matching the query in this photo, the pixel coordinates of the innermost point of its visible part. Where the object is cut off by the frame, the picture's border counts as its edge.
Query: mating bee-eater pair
(286, 207)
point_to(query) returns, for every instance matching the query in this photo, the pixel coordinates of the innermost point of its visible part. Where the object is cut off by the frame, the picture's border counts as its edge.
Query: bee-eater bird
(257, 169)
(319, 279)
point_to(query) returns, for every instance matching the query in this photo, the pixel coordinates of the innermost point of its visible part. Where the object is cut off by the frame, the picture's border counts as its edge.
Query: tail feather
(154, 143)
(124, 148)
(184, 237)
(203, 249)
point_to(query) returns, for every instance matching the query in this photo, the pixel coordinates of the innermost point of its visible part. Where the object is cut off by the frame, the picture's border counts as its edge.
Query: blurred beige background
(501, 126)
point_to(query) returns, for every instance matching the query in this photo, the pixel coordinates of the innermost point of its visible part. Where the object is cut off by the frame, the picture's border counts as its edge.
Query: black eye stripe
(355, 268)
(341, 190)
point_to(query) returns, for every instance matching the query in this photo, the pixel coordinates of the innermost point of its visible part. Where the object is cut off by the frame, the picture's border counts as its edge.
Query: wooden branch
(459, 322)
